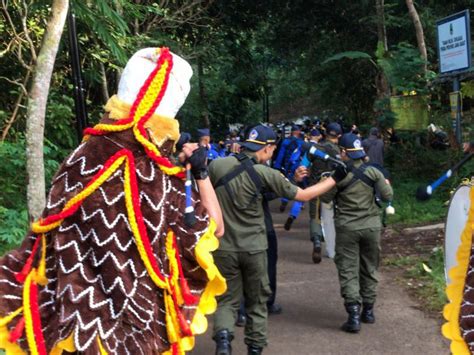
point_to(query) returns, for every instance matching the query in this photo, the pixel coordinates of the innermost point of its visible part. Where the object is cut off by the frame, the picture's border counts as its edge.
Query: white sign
(454, 43)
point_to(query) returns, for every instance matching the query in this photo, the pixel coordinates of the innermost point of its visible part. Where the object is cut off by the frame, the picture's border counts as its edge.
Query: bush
(13, 209)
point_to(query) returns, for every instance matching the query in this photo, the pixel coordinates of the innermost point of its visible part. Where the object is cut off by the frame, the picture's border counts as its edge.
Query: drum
(456, 219)
(329, 231)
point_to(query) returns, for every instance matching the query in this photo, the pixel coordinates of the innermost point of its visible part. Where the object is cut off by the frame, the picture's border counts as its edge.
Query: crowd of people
(125, 258)
(342, 183)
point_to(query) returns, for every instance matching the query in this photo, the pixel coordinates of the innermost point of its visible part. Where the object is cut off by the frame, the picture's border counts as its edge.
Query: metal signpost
(454, 55)
(79, 96)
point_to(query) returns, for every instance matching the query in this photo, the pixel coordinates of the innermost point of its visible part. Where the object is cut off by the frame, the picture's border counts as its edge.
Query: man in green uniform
(358, 228)
(241, 257)
(320, 169)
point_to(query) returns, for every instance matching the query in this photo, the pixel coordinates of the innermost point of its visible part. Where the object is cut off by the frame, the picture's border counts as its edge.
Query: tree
(420, 38)
(36, 108)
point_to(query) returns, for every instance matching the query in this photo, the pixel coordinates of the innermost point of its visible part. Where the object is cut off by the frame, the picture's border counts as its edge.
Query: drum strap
(246, 164)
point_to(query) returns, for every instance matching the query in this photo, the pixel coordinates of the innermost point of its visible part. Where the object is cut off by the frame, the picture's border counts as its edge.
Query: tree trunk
(381, 32)
(202, 95)
(420, 38)
(381, 82)
(104, 83)
(36, 108)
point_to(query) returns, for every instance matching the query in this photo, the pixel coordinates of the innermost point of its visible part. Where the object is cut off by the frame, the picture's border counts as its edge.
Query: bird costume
(111, 267)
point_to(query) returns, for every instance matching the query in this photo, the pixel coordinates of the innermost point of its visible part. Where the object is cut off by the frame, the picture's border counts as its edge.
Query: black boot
(241, 320)
(223, 339)
(283, 206)
(274, 308)
(254, 350)
(289, 222)
(316, 249)
(367, 315)
(353, 322)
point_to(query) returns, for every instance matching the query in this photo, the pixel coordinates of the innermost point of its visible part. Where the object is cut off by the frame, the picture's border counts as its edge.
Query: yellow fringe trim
(136, 232)
(101, 347)
(30, 335)
(66, 344)
(216, 286)
(455, 290)
(10, 348)
(160, 128)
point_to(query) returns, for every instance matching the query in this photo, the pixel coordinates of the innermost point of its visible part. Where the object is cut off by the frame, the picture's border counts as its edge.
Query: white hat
(139, 68)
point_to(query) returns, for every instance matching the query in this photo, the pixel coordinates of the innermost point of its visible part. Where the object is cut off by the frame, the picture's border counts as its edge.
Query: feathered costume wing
(111, 267)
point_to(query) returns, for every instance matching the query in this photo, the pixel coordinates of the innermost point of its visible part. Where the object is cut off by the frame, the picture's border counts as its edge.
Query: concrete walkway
(313, 310)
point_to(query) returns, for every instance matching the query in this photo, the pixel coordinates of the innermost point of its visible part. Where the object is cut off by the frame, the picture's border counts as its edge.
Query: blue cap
(295, 128)
(315, 133)
(184, 138)
(258, 137)
(203, 132)
(352, 146)
(334, 129)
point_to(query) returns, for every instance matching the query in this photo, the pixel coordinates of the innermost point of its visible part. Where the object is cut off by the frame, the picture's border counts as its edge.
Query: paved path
(313, 310)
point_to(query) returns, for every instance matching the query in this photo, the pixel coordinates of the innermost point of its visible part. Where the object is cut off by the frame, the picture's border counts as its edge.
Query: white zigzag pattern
(96, 239)
(96, 263)
(152, 174)
(89, 292)
(67, 187)
(83, 160)
(107, 223)
(108, 201)
(152, 226)
(117, 280)
(81, 325)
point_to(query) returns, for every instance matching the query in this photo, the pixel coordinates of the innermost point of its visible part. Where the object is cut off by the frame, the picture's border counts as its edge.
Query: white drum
(329, 231)
(458, 212)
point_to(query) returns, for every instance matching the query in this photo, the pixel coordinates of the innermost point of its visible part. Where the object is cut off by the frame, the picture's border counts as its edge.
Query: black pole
(79, 96)
(457, 90)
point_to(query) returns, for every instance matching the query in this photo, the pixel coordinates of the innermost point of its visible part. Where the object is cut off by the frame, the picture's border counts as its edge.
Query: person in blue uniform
(204, 139)
(288, 157)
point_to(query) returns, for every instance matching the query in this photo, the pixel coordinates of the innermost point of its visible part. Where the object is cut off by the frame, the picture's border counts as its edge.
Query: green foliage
(404, 69)
(432, 278)
(424, 276)
(13, 213)
(385, 116)
(467, 89)
(14, 225)
(408, 210)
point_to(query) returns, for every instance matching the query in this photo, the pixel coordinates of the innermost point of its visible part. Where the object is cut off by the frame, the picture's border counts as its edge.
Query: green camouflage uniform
(242, 256)
(358, 227)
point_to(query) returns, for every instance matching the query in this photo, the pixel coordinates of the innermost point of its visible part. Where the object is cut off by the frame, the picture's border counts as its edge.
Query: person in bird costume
(111, 267)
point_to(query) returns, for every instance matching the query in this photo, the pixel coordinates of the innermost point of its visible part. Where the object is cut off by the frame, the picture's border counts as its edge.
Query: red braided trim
(71, 210)
(35, 315)
(184, 326)
(165, 55)
(139, 216)
(16, 333)
(188, 297)
(21, 276)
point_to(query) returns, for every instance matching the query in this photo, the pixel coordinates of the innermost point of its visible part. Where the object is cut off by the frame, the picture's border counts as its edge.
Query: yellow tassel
(7, 319)
(41, 278)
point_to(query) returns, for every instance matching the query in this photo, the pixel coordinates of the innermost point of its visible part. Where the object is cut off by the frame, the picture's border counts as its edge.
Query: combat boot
(254, 350)
(283, 206)
(241, 320)
(367, 315)
(289, 222)
(353, 322)
(223, 339)
(316, 249)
